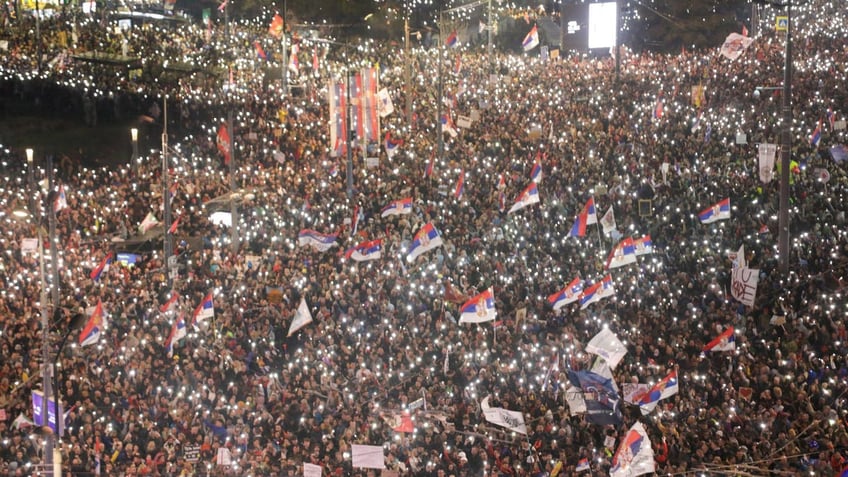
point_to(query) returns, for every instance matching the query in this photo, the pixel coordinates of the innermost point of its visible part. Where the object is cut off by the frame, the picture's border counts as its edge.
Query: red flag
(276, 28)
(314, 59)
(173, 229)
(224, 142)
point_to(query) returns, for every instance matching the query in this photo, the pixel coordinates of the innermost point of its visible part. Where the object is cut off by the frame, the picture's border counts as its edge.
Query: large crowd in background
(385, 333)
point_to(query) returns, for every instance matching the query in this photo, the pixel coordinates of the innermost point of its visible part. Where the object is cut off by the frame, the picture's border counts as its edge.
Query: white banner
(512, 420)
(767, 153)
(369, 457)
(311, 470)
(743, 285)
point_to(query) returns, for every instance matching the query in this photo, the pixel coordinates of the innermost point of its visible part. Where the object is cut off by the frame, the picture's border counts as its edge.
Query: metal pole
(285, 54)
(227, 20)
(408, 72)
(562, 25)
(166, 199)
(51, 218)
(440, 140)
(786, 149)
(38, 35)
(348, 112)
(234, 237)
(617, 41)
(489, 28)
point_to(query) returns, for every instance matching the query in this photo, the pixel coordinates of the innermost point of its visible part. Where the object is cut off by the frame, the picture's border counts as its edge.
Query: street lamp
(134, 136)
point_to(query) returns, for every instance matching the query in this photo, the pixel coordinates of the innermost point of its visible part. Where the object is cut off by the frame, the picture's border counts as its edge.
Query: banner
(363, 93)
(734, 45)
(369, 457)
(767, 153)
(512, 420)
(743, 285)
(337, 98)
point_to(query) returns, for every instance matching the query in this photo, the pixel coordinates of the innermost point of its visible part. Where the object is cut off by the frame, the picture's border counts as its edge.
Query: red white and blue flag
(337, 99)
(452, 40)
(398, 207)
(587, 216)
(357, 218)
(364, 251)
(460, 185)
(316, 240)
(392, 145)
(171, 304)
(426, 239)
(643, 245)
(203, 311)
(428, 171)
(815, 137)
(831, 118)
(94, 326)
(569, 294)
(366, 118)
(178, 332)
(665, 388)
(529, 196)
(103, 266)
(536, 172)
(726, 341)
(479, 309)
(634, 455)
(714, 213)
(531, 40)
(623, 254)
(61, 200)
(596, 292)
(260, 52)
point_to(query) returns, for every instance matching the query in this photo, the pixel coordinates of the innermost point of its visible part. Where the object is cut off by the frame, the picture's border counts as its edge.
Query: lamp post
(786, 150)
(46, 379)
(134, 137)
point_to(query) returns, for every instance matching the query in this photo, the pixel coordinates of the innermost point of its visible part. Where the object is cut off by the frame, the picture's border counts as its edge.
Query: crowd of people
(657, 141)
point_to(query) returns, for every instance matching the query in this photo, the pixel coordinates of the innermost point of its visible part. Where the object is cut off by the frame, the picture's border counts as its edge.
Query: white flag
(302, 317)
(370, 457)
(608, 221)
(148, 223)
(512, 420)
(607, 345)
(385, 106)
(767, 154)
(734, 45)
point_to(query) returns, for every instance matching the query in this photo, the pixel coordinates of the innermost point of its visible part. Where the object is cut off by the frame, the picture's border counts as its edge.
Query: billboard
(37, 417)
(603, 25)
(588, 26)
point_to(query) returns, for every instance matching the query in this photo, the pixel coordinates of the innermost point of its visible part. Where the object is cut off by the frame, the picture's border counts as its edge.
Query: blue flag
(603, 404)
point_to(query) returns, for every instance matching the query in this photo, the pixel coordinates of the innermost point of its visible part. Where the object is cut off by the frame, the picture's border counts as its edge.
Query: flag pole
(598, 224)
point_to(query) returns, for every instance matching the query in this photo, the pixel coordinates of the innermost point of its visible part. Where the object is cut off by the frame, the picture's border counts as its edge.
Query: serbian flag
(460, 185)
(815, 138)
(357, 218)
(726, 341)
(398, 207)
(425, 240)
(529, 196)
(587, 216)
(101, 267)
(623, 254)
(634, 456)
(224, 142)
(531, 40)
(171, 304)
(569, 294)
(317, 240)
(452, 41)
(370, 250)
(718, 211)
(276, 28)
(596, 292)
(260, 52)
(582, 464)
(428, 171)
(94, 326)
(665, 388)
(391, 145)
(178, 332)
(206, 309)
(479, 309)
(643, 245)
(173, 228)
(536, 172)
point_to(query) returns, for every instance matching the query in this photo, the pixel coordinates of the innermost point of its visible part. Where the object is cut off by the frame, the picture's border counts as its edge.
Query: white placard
(463, 121)
(311, 470)
(369, 457)
(29, 245)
